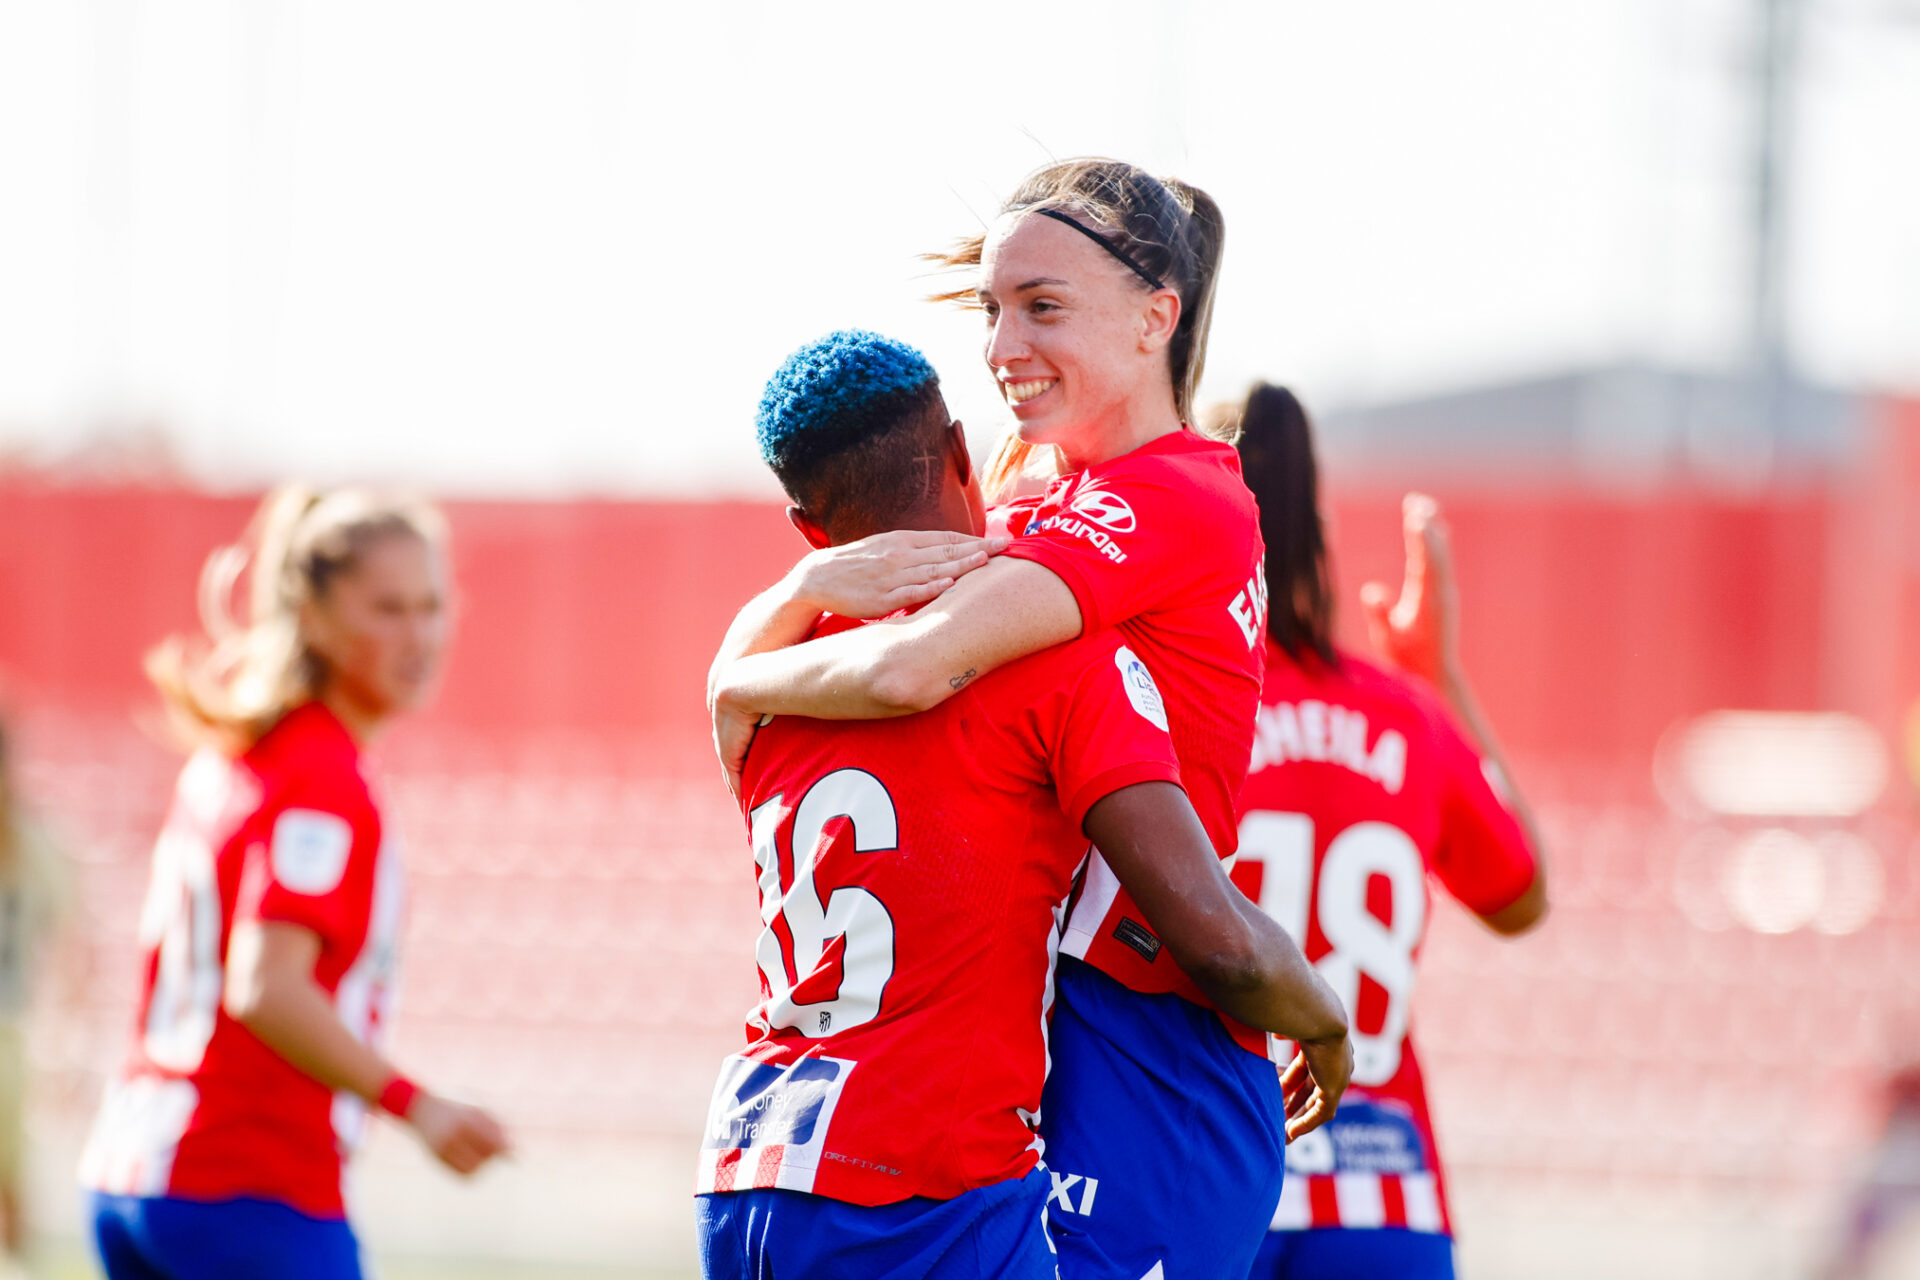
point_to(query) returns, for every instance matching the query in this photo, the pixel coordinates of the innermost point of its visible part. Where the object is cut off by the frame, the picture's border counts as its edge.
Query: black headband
(1153, 281)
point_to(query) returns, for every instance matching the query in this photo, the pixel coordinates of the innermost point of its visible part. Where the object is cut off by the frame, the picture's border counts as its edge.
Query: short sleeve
(1108, 732)
(1123, 543)
(1483, 857)
(312, 867)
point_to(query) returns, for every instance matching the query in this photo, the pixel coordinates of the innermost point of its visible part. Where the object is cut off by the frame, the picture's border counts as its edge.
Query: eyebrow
(1035, 283)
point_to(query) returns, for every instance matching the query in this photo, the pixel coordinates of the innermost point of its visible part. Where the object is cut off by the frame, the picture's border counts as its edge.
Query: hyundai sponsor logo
(1108, 510)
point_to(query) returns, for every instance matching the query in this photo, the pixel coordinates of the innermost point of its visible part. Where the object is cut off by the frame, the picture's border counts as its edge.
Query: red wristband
(398, 1096)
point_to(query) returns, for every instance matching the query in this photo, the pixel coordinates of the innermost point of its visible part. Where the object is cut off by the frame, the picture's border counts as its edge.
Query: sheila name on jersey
(1319, 731)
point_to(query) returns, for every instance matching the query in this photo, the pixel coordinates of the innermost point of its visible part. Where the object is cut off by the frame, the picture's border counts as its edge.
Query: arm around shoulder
(1004, 611)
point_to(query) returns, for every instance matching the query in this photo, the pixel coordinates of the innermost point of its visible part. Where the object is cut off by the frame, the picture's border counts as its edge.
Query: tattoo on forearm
(959, 682)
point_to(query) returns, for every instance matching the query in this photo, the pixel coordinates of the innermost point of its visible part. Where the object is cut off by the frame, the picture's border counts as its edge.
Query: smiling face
(380, 630)
(1076, 343)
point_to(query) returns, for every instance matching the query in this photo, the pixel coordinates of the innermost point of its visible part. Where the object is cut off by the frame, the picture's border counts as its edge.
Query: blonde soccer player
(271, 931)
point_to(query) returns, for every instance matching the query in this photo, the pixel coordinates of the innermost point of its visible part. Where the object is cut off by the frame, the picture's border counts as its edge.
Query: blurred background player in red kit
(34, 898)
(1366, 778)
(273, 917)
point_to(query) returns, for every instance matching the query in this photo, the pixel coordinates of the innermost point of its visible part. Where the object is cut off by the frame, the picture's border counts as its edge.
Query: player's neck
(931, 521)
(1126, 427)
(362, 722)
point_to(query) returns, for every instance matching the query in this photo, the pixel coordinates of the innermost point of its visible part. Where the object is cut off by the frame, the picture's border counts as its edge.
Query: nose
(1006, 341)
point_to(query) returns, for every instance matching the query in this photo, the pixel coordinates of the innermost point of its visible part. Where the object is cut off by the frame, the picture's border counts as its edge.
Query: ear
(957, 451)
(809, 528)
(1158, 320)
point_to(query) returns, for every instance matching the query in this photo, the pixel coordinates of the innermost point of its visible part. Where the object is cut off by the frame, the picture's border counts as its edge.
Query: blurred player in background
(1366, 778)
(912, 875)
(1881, 1208)
(33, 900)
(272, 922)
(1097, 282)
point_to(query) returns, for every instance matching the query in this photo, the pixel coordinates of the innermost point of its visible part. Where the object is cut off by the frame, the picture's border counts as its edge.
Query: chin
(401, 698)
(1041, 430)
(412, 699)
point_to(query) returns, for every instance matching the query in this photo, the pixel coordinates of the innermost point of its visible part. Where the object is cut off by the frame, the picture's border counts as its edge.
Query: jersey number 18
(1359, 942)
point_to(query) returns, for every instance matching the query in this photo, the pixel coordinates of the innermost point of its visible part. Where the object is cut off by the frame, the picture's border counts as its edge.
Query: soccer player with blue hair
(913, 872)
(1096, 285)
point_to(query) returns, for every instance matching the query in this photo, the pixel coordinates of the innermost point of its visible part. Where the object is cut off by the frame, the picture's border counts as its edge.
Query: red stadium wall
(1591, 622)
(579, 615)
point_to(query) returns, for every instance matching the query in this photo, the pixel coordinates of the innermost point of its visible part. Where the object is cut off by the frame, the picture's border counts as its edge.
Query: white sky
(557, 245)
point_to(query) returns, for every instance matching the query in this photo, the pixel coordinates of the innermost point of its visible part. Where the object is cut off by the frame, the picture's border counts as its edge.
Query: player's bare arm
(1420, 633)
(271, 992)
(869, 578)
(997, 613)
(1234, 952)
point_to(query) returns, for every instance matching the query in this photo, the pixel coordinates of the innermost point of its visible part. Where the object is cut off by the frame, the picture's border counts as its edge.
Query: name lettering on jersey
(1330, 734)
(1062, 1193)
(1249, 608)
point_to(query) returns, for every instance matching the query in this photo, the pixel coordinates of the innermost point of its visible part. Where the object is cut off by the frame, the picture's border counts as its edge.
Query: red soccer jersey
(913, 874)
(202, 1110)
(1361, 785)
(1164, 544)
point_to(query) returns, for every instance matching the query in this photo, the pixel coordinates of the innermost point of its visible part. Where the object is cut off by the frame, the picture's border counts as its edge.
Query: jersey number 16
(826, 960)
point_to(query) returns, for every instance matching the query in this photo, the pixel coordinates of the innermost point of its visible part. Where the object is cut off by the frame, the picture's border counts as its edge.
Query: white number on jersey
(182, 919)
(1359, 942)
(850, 914)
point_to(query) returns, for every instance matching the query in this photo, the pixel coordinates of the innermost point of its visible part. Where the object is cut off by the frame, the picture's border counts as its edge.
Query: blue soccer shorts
(162, 1238)
(1355, 1253)
(771, 1234)
(1166, 1140)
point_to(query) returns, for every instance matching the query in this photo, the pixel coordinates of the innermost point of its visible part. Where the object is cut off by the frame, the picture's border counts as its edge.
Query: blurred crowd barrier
(1700, 1030)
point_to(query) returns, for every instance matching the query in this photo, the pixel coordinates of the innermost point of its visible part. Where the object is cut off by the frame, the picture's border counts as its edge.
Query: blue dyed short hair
(837, 392)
